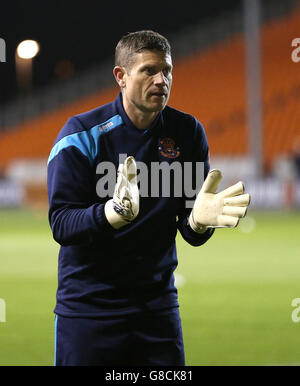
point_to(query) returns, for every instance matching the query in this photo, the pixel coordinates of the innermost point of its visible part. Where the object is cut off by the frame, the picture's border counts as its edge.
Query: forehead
(157, 58)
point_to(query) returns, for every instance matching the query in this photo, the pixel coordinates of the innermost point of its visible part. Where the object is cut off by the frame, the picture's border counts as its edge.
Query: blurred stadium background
(236, 71)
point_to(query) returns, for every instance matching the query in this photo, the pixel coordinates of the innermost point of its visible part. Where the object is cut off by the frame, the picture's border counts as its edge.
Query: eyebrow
(167, 66)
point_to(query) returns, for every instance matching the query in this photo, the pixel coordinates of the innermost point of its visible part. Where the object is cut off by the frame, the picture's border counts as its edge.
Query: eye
(149, 70)
(167, 71)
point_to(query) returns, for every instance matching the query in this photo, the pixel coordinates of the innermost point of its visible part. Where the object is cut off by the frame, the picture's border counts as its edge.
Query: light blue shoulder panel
(86, 141)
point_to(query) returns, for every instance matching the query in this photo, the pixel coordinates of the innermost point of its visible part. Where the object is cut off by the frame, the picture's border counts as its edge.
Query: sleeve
(200, 154)
(75, 216)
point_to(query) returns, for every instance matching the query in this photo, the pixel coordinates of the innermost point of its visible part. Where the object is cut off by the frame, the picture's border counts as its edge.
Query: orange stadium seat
(210, 85)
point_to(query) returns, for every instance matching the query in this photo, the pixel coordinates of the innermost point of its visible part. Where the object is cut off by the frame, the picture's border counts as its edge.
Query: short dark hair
(135, 42)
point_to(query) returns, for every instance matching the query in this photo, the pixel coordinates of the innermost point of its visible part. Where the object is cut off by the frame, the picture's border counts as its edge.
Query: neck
(140, 119)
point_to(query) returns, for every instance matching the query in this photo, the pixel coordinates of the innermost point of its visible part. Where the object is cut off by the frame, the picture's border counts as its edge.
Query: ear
(119, 73)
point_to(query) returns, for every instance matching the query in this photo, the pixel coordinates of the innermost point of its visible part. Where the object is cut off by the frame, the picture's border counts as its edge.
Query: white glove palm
(218, 210)
(124, 207)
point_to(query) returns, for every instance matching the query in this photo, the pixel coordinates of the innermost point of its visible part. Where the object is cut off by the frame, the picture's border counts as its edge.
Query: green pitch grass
(235, 300)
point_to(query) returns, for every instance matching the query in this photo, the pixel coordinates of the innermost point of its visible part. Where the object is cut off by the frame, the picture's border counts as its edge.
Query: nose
(159, 78)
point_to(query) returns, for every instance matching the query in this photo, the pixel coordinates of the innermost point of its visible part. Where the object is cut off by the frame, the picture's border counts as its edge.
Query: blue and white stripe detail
(55, 338)
(86, 141)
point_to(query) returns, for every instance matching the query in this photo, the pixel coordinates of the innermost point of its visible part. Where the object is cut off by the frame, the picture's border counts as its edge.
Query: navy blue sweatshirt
(103, 271)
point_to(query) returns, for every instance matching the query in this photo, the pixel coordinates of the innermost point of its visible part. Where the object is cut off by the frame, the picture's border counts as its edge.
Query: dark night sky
(85, 32)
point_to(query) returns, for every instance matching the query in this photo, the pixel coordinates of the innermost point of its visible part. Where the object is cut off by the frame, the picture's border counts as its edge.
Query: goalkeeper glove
(218, 210)
(124, 206)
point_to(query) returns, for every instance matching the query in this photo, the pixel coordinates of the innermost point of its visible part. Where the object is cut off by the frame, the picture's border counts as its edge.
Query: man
(116, 299)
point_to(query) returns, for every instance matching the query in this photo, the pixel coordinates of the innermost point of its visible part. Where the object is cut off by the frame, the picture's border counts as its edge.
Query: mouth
(159, 94)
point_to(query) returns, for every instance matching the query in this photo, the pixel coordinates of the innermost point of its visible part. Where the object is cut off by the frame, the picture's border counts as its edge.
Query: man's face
(147, 83)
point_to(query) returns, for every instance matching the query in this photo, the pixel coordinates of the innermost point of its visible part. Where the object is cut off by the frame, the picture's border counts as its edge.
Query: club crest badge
(167, 148)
